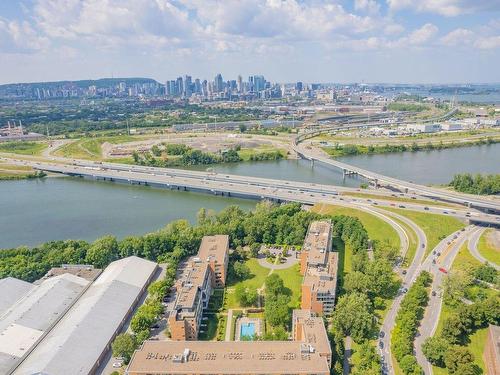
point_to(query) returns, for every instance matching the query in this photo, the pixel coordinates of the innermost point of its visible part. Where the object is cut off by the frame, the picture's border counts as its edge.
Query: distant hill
(85, 83)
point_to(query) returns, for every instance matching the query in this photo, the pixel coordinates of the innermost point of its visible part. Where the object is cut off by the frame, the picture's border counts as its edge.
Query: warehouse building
(30, 311)
(309, 353)
(319, 266)
(82, 336)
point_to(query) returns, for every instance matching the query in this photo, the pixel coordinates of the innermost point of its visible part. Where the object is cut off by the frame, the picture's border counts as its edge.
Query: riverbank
(340, 150)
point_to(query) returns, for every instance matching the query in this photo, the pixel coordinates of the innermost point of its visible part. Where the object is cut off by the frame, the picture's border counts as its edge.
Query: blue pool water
(247, 329)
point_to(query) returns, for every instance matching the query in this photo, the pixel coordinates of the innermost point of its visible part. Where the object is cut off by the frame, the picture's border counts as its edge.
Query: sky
(393, 41)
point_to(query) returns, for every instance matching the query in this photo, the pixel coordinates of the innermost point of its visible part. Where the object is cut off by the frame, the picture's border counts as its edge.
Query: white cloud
(457, 37)
(369, 6)
(20, 37)
(491, 42)
(422, 35)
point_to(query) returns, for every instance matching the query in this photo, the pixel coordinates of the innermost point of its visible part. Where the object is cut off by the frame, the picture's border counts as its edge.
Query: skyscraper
(239, 84)
(187, 90)
(218, 83)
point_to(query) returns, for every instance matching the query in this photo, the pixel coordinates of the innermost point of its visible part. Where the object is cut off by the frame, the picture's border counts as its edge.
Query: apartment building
(215, 251)
(201, 274)
(319, 266)
(308, 353)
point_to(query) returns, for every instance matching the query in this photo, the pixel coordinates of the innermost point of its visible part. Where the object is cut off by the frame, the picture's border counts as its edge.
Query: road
(242, 186)
(441, 257)
(311, 153)
(407, 279)
(474, 239)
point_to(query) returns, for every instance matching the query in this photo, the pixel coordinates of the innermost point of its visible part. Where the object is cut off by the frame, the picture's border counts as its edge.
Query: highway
(239, 186)
(310, 153)
(440, 258)
(407, 280)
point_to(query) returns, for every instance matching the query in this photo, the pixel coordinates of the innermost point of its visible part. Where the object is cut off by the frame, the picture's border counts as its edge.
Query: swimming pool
(247, 329)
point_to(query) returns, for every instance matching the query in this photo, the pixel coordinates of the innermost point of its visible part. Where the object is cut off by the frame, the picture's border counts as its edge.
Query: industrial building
(309, 353)
(66, 323)
(424, 128)
(30, 311)
(319, 266)
(203, 272)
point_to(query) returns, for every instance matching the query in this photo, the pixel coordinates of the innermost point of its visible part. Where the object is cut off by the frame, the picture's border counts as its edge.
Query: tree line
(478, 184)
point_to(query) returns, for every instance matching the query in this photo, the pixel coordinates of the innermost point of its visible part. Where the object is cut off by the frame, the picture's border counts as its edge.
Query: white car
(117, 365)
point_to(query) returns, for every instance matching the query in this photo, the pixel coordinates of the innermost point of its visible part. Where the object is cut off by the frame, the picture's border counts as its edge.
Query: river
(433, 167)
(35, 211)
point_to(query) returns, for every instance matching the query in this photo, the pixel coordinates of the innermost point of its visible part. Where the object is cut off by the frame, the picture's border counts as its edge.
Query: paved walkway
(290, 261)
(228, 324)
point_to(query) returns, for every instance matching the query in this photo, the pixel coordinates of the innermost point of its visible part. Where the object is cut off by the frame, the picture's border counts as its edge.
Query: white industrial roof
(76, 342)
(33, 313)
(12, 289)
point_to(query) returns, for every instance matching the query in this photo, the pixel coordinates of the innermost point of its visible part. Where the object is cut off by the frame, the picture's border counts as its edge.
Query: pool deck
(245, 320)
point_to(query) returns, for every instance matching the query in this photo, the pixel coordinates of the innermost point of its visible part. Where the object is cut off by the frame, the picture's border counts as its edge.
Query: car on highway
(404, 272)
(433, 293)
(117, 364)
(401, 206)
(426, 208)
(445, 212)
(381, 334)
(381, 344)
(443, 270)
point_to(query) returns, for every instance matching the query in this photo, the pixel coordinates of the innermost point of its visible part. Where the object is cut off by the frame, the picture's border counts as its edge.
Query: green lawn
(90, 148)
(436, 227)
(210, 331)
(23, 148)
(293, 281)
(412, 241)
(487, 249)
(377, 229)
(257, 279)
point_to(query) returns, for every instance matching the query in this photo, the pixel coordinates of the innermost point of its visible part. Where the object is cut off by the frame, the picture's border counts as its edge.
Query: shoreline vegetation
(479, 184)
(339, 150)
(175, 155)
(7, 176)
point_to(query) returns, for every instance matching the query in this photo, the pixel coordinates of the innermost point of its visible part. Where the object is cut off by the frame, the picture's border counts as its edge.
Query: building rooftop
(187, 287)
(84, 271)
(12, 290)
(317, 241)
(78, 339)
(313, 330)
(323, 279)
(227, 357)
(214, 248)
(33, 314)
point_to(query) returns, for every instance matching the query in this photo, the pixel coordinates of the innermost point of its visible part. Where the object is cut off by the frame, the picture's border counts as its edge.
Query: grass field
(90, 148)
(377, 229)
(436, 227)
(412, 242)
(487, 248)
(257, 279)
(23, 148)
(293, 281)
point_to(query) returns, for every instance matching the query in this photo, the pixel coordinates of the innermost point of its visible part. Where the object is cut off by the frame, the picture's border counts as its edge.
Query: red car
(443, 270)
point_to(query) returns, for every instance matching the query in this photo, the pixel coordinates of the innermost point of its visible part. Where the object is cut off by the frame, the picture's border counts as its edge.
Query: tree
(409, 365)
(277, 311)
(241, 271)
(453, 329)
(457, 356)
(155, 150)
(369, 360)
(254, 250)
(124, 346)
(246, 296)
(455, 284)
(243, 128)
(277, 334)
(353, 316)
(103, 251)
(487, 273)
(434, 349)
(274, 286)
(357, 282)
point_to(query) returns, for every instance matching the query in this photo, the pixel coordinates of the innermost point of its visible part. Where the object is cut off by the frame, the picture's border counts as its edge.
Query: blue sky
(414, 41)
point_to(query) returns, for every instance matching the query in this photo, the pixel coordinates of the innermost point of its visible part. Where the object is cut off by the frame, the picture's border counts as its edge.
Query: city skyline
(371, 41)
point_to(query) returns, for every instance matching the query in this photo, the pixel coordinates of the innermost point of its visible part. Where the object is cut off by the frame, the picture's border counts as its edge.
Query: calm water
(432, 167)
(35, 211)
(294, 170)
